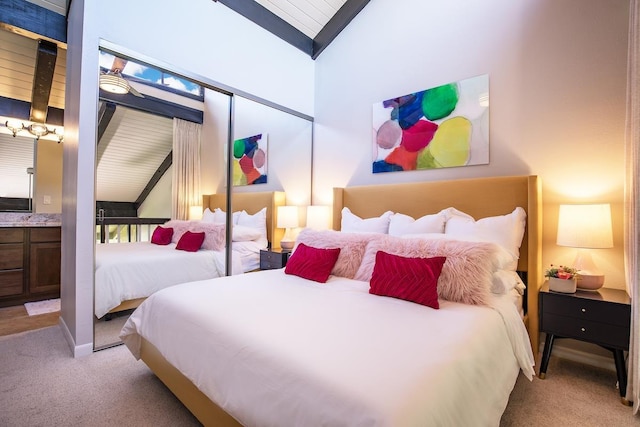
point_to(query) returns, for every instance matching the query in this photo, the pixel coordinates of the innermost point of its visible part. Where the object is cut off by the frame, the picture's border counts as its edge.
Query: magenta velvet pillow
(161, 235)
(190, 241)
(312, 263)
(410, 279)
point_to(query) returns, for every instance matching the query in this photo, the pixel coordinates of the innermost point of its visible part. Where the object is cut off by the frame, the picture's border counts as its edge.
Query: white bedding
(125, 271)
(277, 350)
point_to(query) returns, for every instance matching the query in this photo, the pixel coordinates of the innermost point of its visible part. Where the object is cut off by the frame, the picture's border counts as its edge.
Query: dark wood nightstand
(602, 317)
(273, 258)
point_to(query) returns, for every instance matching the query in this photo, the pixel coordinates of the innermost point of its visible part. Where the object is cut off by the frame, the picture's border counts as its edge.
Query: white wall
(201, 37)
(557, 72)
(158, 202)
(48, 177)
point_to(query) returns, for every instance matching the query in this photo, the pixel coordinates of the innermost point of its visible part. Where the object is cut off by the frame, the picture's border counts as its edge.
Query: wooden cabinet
(29, 264)
(602, 317)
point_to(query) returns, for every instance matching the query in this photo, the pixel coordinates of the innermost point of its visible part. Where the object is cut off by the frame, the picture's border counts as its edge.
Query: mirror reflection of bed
(127, 273)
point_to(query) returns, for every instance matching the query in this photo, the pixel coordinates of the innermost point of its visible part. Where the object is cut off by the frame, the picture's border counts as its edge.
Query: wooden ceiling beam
(42, 80)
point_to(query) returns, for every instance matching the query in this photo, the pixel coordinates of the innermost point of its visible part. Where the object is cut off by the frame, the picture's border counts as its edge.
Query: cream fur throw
(352, 247)
(466, 275)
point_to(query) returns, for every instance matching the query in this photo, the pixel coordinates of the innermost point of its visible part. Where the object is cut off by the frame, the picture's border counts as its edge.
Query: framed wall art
(250, 160)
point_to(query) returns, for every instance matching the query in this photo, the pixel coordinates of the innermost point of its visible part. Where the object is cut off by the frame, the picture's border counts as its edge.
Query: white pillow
(354, 224)
(504, 281)
(257, 221)
(208, 216)
(241, 233)
(505, 230)
(502, 257)
(400, 224)
(218, 216)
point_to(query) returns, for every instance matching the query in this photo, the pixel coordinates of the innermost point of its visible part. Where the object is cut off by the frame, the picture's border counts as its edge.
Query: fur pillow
(214, 234)
(466, 275)
(352, 247)
(179, 227)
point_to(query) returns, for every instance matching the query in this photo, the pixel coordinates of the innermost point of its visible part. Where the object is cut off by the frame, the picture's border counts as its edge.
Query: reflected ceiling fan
(113, 81)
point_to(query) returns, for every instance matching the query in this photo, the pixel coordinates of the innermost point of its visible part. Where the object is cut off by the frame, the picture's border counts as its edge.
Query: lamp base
(590, 282)
(287, 244)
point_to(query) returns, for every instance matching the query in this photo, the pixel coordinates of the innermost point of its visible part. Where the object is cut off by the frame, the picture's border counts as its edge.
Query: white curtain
(186, 168)
(632, 199)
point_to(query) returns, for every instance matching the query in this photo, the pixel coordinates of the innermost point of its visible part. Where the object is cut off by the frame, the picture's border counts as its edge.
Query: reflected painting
(445, 126)
(250, 160)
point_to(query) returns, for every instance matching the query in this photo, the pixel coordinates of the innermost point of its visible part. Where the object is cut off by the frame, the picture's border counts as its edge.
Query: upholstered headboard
(479, 197)
(252, 203)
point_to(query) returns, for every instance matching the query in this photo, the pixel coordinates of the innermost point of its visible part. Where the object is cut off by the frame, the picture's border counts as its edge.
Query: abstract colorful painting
(250, 160)
(441, 127)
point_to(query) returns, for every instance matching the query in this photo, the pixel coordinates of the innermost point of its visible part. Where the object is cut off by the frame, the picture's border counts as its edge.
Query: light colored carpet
(42, 385)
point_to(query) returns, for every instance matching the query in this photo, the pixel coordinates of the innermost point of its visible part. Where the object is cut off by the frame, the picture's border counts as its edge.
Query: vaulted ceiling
(33, 39)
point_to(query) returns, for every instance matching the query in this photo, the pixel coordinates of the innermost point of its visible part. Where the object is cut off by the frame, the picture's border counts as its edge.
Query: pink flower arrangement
(561, 272)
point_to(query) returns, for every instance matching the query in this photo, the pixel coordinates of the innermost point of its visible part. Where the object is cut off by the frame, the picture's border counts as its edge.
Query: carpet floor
(42, 385)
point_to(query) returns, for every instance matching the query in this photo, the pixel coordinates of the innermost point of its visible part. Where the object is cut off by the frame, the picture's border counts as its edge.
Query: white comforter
(125, 271)
(276, 350)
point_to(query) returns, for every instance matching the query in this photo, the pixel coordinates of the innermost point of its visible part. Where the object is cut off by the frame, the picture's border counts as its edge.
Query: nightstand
(600, 317)
(273, 258)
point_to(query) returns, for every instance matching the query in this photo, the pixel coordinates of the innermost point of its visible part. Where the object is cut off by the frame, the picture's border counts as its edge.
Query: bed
(127, 273)
(283, 350)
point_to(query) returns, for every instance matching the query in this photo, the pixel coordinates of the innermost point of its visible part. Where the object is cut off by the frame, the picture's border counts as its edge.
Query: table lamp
(585, 227)
(195, 213)
(318, 217)
(287, 219)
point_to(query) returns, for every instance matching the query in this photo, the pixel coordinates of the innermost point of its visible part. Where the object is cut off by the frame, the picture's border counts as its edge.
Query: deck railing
(126, 229)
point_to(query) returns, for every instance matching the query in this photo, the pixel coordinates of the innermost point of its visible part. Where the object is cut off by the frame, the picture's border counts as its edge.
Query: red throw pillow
(410, 279)
(312, 263)
(190, 241)
(161, 235)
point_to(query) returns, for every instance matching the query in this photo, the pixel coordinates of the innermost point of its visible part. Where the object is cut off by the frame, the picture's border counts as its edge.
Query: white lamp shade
(318, 217)
(287, 217)
(585, 226)
(195, 213)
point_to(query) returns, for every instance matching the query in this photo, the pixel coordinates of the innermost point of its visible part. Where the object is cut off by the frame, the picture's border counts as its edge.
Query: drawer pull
(584, 310)
(583, 329)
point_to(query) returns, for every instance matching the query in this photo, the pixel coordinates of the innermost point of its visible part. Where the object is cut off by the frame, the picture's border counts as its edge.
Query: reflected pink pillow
(214, 234)
(312, 263)
(410, 279)
(190, 241)
(162, 235)
(179, 227)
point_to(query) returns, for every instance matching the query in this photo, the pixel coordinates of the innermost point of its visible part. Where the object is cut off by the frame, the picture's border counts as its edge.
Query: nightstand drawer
(273, 259)
(586, 330)
(586, 309)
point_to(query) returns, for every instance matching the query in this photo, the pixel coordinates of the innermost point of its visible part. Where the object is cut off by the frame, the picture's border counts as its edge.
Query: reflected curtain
(186, 167)
(632, 198)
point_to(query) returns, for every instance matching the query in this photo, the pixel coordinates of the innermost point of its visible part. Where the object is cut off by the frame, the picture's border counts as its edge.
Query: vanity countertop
(17, 219)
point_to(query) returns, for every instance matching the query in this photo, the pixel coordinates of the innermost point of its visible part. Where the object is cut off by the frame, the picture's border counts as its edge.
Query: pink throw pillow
(410, 279)
(312, 263)
(190, 242)
(179, 227)
(352, 247)
(467, 274)
(214, 234)
(162, 235)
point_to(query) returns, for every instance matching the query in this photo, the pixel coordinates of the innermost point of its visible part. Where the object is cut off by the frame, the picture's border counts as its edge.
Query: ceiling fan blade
(118, 64)
(133, 91)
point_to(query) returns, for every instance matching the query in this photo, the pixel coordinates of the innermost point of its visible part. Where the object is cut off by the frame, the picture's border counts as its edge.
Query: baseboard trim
(77, 350)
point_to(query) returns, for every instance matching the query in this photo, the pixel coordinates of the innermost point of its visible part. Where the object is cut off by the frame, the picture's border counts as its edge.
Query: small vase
(566, 286)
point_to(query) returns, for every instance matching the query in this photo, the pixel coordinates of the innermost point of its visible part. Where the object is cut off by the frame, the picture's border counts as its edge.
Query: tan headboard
(479, 197)
(252, 203)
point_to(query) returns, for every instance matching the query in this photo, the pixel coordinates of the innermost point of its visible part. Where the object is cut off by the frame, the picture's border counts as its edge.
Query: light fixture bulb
(38, 130)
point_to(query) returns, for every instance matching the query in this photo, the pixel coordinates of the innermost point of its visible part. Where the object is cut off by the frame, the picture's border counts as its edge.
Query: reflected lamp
(195, 213)
(287, 219)
(586, 227)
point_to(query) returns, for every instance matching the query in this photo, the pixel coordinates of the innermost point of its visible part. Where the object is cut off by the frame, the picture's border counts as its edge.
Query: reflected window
(150, 76)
